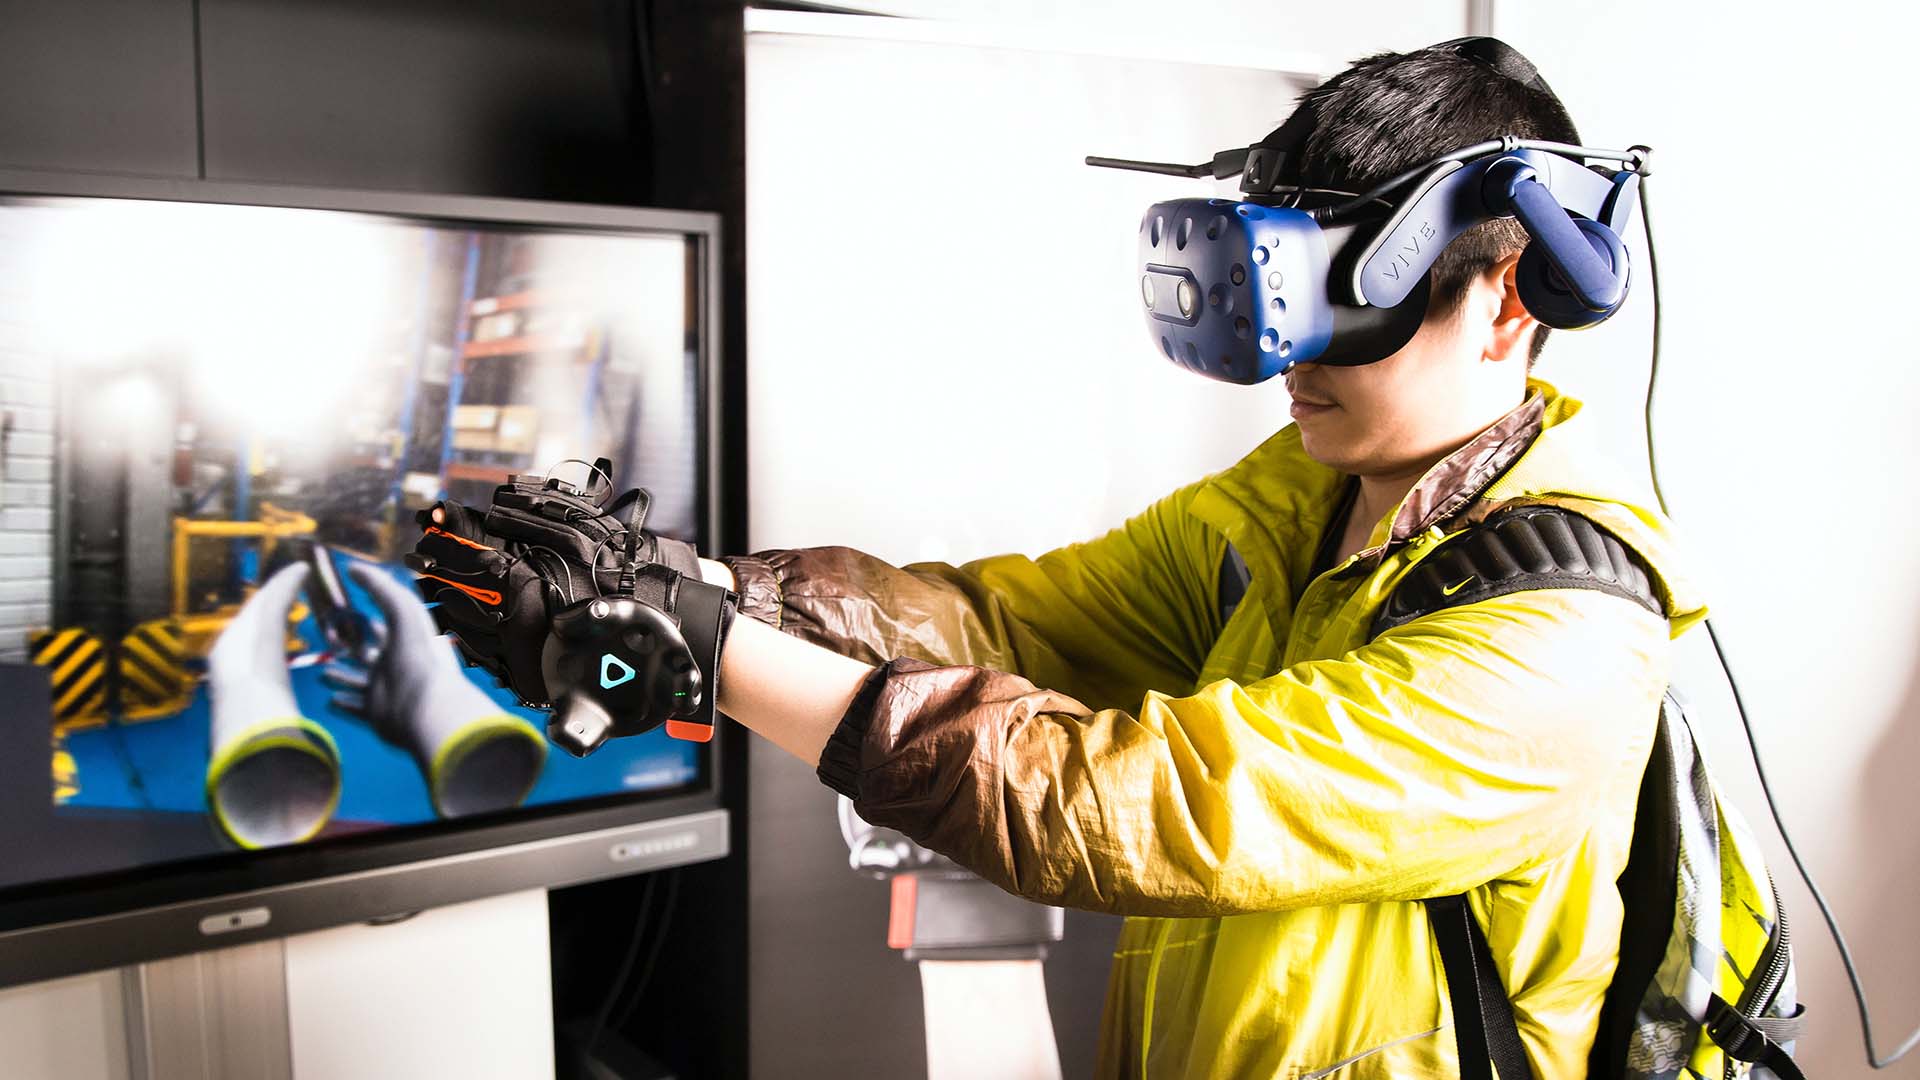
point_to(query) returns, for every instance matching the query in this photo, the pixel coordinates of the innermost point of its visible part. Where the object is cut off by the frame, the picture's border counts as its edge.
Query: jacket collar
(1277, 503)
(1457, 479)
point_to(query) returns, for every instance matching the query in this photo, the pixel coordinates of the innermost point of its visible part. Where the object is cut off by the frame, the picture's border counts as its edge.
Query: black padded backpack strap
(1533, 547)
(1484, 1030)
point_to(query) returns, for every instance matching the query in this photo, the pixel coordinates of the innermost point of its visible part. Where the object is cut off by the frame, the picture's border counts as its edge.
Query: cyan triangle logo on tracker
(608, 665)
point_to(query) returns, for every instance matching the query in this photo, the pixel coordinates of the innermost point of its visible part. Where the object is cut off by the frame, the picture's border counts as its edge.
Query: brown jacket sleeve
(868, 609)
(1104, 621)
(1448, 752)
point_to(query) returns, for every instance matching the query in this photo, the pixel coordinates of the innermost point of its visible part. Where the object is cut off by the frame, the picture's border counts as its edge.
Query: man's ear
(1512, 329)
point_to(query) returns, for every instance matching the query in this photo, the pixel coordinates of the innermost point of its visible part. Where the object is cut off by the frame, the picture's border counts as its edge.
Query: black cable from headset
(1508, 143)
(1739, 705)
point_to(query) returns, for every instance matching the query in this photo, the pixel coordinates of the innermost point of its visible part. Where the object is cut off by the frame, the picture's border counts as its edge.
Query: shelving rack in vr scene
(502, 324)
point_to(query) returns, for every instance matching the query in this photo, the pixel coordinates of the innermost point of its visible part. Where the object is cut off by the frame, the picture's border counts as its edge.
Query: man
(1268, 789)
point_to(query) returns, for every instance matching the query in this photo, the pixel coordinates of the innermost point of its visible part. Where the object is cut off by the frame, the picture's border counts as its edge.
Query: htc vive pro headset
(1242, 291)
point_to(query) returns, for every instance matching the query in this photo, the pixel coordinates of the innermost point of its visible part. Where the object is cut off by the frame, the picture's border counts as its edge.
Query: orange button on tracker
(688, 731)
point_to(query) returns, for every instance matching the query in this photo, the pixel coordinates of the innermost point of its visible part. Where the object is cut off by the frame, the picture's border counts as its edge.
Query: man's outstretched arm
(792, 692)
(1103, 620)
(1457, 749)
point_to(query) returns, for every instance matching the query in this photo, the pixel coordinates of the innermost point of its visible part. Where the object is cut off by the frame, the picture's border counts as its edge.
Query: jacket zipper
(1759, 996)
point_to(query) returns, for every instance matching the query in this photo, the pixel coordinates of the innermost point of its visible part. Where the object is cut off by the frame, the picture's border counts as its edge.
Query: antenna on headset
(1225, 165)
(1161, 167)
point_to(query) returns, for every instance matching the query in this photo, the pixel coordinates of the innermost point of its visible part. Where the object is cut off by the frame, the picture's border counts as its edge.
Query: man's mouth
(1304, 398)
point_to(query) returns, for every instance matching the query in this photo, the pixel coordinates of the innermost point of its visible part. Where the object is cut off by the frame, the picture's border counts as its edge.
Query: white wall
(1785, 422)
(946, 357)
(931, 266)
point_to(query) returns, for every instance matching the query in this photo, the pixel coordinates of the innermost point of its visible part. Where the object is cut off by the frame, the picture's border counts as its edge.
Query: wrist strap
(706, 613)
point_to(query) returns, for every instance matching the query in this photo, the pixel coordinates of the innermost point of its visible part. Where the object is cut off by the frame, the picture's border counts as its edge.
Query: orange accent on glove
(432, 529)
(485, 596)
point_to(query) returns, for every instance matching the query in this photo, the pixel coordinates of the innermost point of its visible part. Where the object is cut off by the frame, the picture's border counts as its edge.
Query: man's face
(1402, 414)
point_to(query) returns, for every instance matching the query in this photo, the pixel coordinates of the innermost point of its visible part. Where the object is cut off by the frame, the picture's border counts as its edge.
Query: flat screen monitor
(221, 407)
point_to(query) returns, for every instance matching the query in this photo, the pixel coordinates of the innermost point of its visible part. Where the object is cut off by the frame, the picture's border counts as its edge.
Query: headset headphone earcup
(1545, 292)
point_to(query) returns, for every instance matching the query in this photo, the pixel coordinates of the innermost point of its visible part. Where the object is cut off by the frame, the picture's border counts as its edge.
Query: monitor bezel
(69, 925)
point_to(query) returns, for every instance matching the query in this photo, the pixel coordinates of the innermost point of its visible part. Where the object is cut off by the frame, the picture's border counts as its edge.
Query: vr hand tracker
(1242, 291)
(633, 658)
(577, 610)
(622, 665)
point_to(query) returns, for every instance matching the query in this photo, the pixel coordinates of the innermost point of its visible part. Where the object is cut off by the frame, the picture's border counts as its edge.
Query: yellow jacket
(1270, 798)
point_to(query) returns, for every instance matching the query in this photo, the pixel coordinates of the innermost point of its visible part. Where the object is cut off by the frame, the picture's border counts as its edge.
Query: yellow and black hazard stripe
(78, 667)
(153, 674)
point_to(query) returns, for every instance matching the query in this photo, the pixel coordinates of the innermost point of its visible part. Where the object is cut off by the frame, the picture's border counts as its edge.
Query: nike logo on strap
(1457, 588)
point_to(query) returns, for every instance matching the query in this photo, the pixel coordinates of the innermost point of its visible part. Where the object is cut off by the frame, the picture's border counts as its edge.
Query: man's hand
(493, 602)
(498, 575)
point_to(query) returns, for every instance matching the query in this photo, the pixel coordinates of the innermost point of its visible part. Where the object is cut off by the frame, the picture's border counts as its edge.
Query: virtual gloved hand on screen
(406, 684)
(273, 774)
(571, 603)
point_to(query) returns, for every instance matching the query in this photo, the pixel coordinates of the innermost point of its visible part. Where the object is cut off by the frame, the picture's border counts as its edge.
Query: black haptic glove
(574, 606)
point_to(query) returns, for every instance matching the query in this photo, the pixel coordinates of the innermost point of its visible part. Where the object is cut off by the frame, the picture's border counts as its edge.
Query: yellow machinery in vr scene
(198, 630)
(147, 673)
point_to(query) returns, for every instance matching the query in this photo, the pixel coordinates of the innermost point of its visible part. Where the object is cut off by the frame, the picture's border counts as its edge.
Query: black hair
(1391, 112)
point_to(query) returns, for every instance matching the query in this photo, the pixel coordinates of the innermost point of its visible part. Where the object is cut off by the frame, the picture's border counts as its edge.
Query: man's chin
(1327, 447)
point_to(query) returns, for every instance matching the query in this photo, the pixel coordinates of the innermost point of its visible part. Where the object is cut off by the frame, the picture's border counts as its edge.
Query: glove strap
(706, 613)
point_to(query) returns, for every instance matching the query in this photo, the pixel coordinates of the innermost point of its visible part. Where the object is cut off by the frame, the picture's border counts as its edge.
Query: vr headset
(1292, 274)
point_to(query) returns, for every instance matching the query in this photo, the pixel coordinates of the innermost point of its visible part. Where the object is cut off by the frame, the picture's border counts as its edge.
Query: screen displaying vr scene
(220, 423)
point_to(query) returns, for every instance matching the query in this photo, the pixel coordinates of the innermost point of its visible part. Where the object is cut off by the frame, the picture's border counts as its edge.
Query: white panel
(1786, 435)
(1338, 31)
(946, 356)
(462, 991)
(64, 1029)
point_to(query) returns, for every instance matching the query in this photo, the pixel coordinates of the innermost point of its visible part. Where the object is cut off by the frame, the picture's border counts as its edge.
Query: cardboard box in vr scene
(474, 427)
(519, 429)
(496, 326)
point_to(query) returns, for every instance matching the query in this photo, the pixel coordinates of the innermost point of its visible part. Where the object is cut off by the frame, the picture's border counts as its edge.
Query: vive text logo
(1403, 258)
